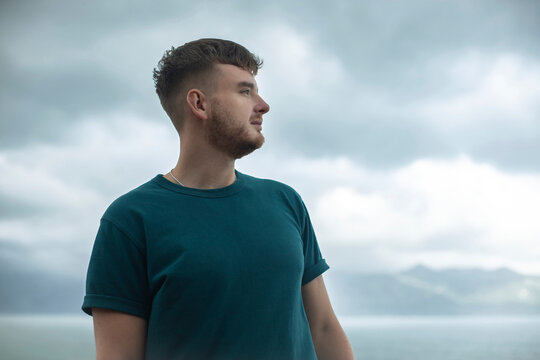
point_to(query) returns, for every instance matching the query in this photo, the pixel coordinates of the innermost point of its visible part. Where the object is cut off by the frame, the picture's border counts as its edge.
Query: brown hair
(195, 58)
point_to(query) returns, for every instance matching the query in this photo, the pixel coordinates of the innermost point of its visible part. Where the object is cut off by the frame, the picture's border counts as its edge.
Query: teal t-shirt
(217, 273)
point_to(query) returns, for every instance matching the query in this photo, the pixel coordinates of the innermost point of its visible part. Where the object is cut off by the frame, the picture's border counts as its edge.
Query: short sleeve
(117, 277)
(314, 264)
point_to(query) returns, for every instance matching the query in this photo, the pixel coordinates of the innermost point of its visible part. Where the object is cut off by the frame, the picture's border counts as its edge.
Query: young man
(206, 262)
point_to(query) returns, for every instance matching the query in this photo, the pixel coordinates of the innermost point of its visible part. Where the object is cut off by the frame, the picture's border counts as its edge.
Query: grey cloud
(386, 47)
(461, 239)
(13, 208)
(39, 99)
(26, 288)
(68, 258)
(377, 142)
(388, 140)
(391, 47)
(41, 105)
(520, 153)
(402, 51)
(396, 34)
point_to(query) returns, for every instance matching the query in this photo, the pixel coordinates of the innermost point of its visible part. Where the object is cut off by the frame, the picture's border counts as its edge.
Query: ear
(197, 103)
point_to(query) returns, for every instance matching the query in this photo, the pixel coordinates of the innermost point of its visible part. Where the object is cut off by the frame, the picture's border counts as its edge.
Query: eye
(245, 91)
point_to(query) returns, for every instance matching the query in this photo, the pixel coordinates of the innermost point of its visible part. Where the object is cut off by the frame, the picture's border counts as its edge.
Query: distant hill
(423, 291)
(417, 291)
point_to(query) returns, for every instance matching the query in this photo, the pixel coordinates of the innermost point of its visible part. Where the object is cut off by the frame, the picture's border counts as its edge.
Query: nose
(262, 106)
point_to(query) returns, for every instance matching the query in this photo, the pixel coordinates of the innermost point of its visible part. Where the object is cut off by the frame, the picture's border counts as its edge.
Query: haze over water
(52, 337)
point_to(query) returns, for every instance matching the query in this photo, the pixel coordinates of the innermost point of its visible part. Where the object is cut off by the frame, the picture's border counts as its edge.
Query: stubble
(229, 136)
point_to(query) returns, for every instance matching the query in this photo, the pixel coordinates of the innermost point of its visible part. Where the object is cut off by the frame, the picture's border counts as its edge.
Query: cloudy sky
(410, 128)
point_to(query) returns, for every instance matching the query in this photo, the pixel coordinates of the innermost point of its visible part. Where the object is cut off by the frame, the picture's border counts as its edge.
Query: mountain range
(424, 291)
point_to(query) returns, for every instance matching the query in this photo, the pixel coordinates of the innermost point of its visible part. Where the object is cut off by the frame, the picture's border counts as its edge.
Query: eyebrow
(247, 84)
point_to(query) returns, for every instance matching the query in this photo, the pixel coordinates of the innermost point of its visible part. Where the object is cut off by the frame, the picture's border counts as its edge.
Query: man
(206, 262)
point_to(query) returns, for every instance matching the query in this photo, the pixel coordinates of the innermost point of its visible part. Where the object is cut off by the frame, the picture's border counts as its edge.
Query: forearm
(331, 343)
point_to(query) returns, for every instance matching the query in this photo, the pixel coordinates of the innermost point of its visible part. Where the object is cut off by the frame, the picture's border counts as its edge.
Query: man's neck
(203, 169)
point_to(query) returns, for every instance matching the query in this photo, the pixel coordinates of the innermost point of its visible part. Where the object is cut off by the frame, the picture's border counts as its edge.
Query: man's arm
(118, 335)
(328, 336)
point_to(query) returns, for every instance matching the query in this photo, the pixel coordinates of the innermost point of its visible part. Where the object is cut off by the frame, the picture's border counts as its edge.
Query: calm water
(379, 338)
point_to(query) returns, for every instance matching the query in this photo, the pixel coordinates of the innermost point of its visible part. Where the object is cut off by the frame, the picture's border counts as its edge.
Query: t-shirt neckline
(210, 193)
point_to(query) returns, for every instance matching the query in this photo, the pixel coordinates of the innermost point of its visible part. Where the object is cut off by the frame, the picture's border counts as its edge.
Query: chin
(247, 148)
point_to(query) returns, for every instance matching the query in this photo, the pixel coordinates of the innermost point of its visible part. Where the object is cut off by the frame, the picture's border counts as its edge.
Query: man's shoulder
(271, 186)
(133, 201)
(268, 183)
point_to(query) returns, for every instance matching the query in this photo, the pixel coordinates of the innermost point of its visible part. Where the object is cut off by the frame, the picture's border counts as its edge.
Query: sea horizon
(48, 336)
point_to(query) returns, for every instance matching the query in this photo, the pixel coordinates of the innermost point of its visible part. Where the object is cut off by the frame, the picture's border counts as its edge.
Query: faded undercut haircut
(193, 59)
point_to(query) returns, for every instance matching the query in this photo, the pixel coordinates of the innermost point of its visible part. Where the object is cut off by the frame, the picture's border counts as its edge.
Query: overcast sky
(410, 128)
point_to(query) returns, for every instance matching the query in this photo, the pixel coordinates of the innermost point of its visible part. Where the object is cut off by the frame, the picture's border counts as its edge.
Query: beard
(234, 139)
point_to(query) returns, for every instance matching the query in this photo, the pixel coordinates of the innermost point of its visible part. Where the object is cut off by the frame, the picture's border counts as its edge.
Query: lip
(257, 124)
